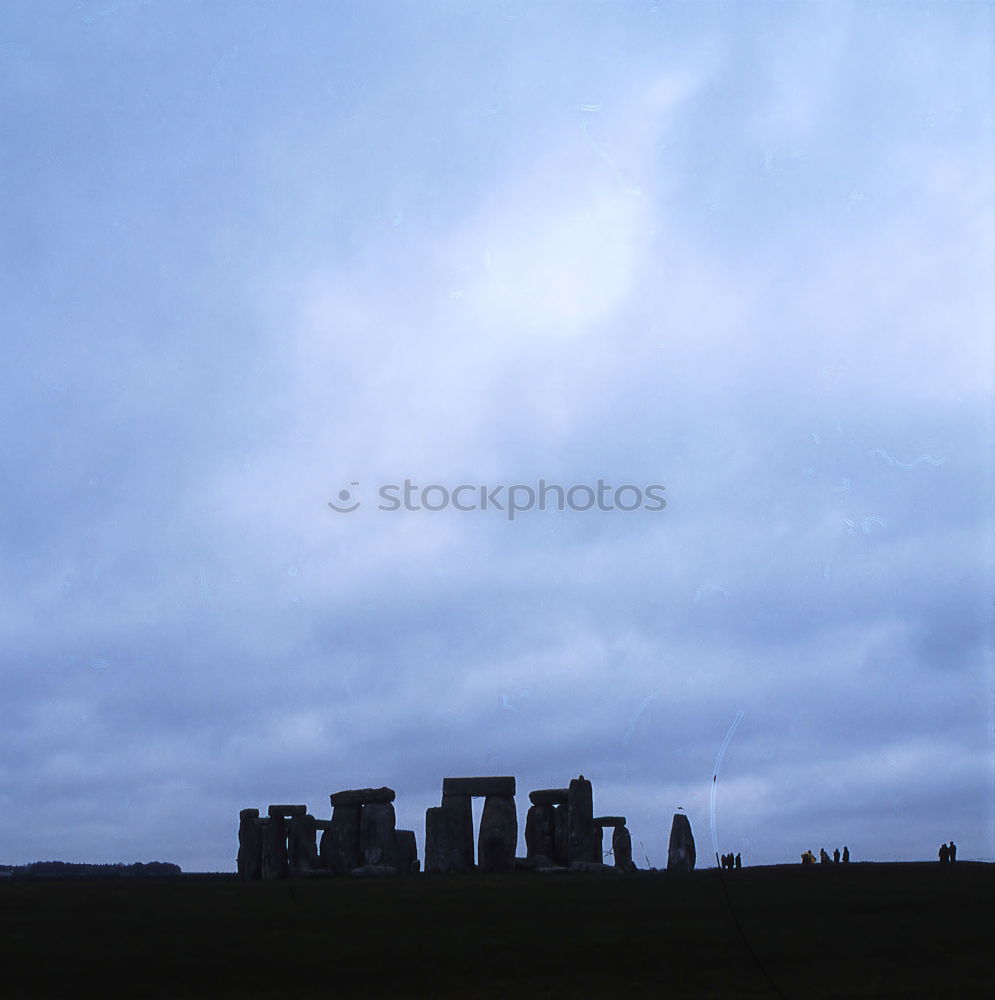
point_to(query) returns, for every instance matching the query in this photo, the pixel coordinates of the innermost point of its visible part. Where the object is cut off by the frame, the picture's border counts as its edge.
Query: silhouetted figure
(836, 856)
(952, 851)
(739, 861)
(823, 857)
(846, 855)
(944, 854)
(808, 858)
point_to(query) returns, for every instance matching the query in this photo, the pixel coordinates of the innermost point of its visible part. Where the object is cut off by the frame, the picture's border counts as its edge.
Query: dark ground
(862, 930)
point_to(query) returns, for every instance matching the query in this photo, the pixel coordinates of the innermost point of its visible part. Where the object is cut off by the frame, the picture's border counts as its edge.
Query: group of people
(731, 861)
(808, 858)
(948, 852)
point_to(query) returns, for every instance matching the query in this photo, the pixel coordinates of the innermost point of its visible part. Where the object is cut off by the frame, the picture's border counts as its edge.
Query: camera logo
(345, 496)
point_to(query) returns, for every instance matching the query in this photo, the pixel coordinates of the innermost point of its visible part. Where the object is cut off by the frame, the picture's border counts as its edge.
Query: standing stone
(250, 845)
(406, 851)
(339, 850)
(498, 834)
(274, 834)
(449, 835)
(302, 852)
(540, 832)
(581, 838)
(561, 839)
(681, 853)
(376, 834)
(622, 849)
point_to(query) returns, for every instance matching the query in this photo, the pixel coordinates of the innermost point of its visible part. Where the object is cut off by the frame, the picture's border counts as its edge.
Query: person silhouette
(952, 851)
(823, 857)
(739, 860)
(836, 856)
(846, 855)
(943, 854)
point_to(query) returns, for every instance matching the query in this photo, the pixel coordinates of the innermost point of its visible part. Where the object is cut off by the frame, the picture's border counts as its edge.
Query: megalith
(561, 839)
(449, 835)
(250, 845)
(362, 796)
(680, 852)
(275, 861)
(376, 834)
(622, 849)
(405, 851)
(479, 787)
(582, 842)
(498, 835)
(302, 850)
(339, 848)
(540, 831)
(549, 796)
(274, 835)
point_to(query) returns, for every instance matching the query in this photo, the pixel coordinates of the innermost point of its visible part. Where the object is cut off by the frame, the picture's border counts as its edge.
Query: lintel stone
(288, 811)
(363, 796)
(504, 786)
(548, 796)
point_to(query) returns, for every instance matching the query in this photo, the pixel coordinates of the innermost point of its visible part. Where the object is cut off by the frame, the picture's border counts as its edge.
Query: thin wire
(722, 878)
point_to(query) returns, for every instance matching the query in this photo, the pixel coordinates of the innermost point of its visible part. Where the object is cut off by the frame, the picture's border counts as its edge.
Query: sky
(258, 258)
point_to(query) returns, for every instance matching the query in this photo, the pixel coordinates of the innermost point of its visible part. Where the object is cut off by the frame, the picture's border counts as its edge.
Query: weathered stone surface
(622, 849)
(323, 824)
(540, 831)
(373, 871)
(449, 835)
(274, 836)
(287, 811)
(680, 853)
(548, 796)
(561, 839)
(504, 786)
(498, 834)
(405, 851)
(604, 821)
(250, 845)
(339, 847)
(590, 866)
(302, 851)
(362, 796)
(533, 864)
(376, 834)
(583, 843)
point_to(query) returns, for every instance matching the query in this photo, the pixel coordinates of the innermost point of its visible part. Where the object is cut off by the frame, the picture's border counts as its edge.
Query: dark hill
(862, 930)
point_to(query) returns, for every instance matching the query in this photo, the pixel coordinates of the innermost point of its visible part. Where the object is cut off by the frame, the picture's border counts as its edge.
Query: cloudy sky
(257, 254)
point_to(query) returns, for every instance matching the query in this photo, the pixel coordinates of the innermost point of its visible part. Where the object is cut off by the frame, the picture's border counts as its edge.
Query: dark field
(882, 930)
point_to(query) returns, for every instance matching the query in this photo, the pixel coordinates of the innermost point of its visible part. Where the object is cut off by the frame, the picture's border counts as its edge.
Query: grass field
(862, 930)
